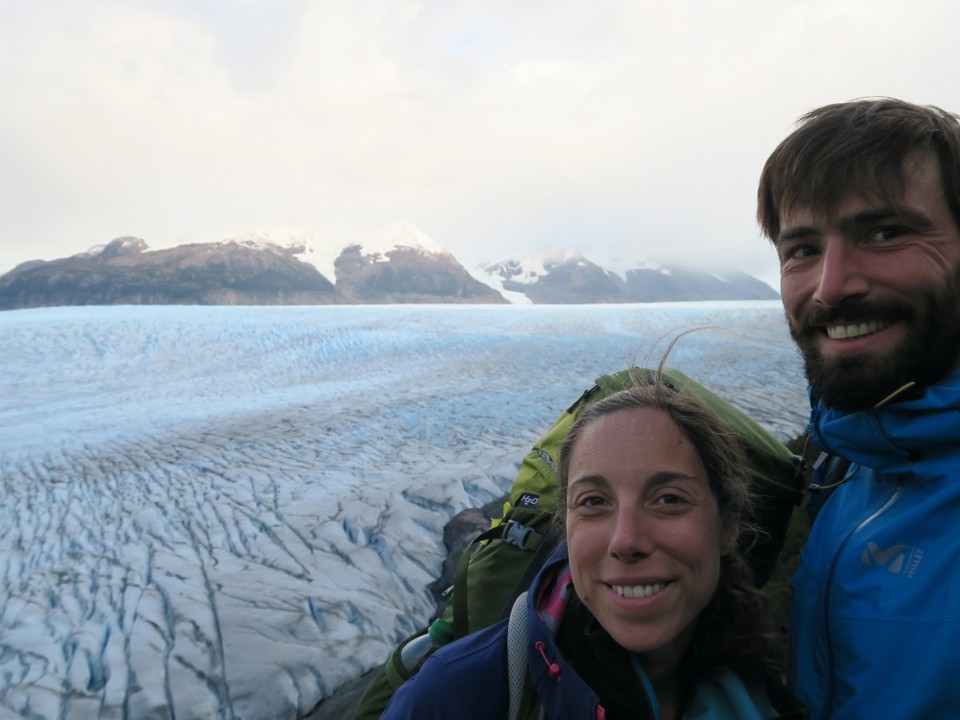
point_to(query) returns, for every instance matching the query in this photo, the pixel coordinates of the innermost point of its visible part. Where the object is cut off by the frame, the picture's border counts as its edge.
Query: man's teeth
(845, 332)
(637, 591)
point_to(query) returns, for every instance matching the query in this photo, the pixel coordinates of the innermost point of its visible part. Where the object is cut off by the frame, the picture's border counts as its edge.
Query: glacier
(229, 512)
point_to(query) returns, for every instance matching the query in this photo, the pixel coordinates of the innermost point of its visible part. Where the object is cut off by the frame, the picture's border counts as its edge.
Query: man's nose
(632, 538)
(841, 273)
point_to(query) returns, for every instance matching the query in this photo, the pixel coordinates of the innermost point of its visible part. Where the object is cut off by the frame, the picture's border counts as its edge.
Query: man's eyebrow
(796, 233)
(896, 213)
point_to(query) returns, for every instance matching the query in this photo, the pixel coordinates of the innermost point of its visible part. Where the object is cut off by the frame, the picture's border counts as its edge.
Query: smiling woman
(648, 609)
(644, 536)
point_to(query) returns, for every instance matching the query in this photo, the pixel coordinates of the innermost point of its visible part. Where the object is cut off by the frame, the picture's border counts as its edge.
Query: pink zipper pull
(552, 667)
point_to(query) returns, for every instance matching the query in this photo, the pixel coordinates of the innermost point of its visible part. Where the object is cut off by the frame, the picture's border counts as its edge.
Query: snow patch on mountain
(396, 236)
(621, 264)
(262, 241)
(323, 253)
(528, 268)
(496, 282)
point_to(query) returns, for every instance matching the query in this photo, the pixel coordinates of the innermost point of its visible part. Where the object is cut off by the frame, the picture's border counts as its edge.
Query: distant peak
(127, 245)
(527, 268)
(400, 234)
(266, 241)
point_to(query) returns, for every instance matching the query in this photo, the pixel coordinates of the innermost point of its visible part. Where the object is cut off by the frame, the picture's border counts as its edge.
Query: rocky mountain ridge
(401, 265)
(571, 278)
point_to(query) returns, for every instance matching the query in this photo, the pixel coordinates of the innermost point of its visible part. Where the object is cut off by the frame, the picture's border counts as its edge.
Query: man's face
(872, 292)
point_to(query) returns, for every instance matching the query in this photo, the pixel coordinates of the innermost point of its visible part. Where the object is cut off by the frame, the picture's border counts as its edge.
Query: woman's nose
(631, 537)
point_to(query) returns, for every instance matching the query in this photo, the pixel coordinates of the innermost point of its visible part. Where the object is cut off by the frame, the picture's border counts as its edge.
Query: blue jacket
(874, 619)
(468, 680)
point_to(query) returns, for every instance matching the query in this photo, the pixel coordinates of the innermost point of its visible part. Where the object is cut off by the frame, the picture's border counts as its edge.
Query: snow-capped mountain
(563, 277)
(127, 272)
(401, 264)
(322, 253)
(569, 277)
(398, 264)
(395, 264)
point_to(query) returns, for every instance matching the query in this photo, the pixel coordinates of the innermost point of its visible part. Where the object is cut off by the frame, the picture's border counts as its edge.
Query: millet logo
(897, 559)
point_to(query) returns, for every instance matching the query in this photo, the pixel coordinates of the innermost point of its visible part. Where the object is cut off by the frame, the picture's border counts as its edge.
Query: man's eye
(797, 251)
(889, 232)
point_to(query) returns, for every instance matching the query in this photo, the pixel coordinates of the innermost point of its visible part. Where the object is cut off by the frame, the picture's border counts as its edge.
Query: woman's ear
(729, 536)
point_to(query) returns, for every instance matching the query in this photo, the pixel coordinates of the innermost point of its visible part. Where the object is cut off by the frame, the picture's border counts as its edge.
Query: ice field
(228, 512)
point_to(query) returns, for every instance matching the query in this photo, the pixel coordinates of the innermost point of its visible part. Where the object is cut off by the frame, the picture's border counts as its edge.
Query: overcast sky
(628, 128)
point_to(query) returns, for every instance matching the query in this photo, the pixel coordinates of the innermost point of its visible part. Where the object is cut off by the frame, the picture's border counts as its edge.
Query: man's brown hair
(856, 147)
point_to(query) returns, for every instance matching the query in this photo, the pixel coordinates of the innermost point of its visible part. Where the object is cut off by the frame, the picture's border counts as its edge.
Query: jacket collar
(560, 689)
(911, 436)
(563, 691)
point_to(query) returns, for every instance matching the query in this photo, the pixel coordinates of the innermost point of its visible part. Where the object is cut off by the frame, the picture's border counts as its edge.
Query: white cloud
(494, 127)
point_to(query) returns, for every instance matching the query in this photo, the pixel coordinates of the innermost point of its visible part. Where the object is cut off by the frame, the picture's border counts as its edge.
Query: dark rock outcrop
(408, 275)
(342, 704)
(457, 535)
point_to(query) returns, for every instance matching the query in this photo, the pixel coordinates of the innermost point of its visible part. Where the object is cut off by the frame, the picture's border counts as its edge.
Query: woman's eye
(671, 499)
(589, 502)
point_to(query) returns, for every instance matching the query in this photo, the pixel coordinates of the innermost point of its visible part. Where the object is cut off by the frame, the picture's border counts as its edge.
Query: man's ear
(729, 536)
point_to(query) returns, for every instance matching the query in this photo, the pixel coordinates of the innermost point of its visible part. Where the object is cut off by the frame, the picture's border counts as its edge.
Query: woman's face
(643, 531)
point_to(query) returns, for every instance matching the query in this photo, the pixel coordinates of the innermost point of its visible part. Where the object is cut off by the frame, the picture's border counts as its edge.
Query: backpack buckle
(517, 534)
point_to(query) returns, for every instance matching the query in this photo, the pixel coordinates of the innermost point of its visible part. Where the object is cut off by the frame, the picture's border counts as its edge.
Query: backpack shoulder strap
(461, 618)
(523, 700)
(540, 556)
(829, 472)
(517, 654)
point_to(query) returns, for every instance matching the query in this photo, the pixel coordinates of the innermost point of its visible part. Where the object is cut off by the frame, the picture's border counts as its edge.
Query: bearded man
(862, 203)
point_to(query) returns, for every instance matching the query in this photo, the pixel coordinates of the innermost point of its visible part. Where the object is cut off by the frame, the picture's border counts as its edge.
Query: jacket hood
(914, 436)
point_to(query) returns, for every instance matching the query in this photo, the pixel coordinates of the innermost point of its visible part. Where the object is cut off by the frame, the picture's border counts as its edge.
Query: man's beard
(926, 355)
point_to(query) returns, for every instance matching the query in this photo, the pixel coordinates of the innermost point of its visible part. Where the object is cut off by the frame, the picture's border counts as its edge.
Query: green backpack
(501, 562)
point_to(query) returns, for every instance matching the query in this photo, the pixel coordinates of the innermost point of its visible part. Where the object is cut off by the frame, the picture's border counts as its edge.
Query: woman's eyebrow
(592, 480)
(662, 477)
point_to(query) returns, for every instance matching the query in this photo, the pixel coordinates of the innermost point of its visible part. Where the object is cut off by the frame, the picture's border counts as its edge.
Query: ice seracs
(230, 512)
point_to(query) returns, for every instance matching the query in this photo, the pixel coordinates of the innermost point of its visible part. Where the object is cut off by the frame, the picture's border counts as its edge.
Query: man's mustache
(850, 311)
